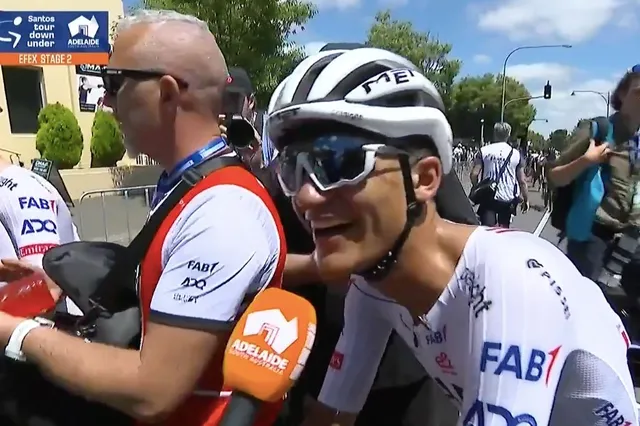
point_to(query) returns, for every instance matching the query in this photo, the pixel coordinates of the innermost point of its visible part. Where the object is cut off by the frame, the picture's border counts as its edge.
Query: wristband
(13, 349)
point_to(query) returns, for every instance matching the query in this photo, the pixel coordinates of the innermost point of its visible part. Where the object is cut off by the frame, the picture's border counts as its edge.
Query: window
(24, 90)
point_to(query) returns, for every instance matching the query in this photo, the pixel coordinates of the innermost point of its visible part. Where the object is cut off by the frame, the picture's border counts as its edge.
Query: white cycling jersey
(518, 337)
(33, 218)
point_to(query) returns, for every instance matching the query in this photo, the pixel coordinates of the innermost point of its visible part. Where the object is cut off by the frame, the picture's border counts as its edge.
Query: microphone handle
(241, 411)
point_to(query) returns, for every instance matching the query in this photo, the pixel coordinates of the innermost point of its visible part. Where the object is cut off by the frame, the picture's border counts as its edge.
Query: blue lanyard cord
(167, 181)
(634, 151)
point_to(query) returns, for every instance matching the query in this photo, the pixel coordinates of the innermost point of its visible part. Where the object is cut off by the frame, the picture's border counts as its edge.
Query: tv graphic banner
(54, 38)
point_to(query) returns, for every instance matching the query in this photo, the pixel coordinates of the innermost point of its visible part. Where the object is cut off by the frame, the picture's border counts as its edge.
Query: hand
(223, 128)
(13, 269)
(597, 154)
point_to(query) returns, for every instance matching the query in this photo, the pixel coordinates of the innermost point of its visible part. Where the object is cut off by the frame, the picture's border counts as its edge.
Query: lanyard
(167, 181)
(634, 151)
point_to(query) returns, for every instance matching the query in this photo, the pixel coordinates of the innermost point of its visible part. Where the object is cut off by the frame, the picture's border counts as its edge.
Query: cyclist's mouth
(330, 231)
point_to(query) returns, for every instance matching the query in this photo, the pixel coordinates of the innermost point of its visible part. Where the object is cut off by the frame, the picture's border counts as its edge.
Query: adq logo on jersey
(610, 415)
(532, 366)
(37, 203)
(36, 226)
(476, 416)
(278, 334)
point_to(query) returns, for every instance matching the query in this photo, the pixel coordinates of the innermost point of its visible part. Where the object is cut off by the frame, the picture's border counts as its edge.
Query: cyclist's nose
(308, 196)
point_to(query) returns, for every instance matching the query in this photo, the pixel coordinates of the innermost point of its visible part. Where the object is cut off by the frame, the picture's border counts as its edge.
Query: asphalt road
(529, 221)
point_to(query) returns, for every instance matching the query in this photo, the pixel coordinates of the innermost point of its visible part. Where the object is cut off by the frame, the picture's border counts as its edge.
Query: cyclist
(500, 319)
(33, 218)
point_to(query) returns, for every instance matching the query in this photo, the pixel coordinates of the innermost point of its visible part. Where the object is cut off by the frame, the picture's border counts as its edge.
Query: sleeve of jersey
(222, 247)
(355, 362)
(518, 327)
(32, 224)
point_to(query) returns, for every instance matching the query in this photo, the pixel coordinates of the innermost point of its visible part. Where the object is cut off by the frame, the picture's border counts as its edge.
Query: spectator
(166, 91)
(619, 210)
(491, 163)
(239, 95)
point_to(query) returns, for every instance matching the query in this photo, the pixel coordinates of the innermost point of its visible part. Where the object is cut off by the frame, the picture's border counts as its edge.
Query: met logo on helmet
(397, 76)
(36, 226)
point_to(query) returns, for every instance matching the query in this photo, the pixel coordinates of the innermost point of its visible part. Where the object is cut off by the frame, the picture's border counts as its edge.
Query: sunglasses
(330, 162)
(114, 78)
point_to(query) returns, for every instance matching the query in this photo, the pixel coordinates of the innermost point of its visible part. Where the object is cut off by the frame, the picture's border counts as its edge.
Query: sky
(483, 32)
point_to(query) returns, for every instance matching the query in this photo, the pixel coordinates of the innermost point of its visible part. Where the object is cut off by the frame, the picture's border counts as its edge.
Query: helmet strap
(414, 209)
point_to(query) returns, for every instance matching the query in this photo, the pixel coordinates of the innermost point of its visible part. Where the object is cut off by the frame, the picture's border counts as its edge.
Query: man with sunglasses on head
(165, 82)
(501, 319)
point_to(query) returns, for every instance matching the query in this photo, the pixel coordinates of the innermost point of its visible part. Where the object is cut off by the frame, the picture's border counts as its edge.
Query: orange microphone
(266, 353)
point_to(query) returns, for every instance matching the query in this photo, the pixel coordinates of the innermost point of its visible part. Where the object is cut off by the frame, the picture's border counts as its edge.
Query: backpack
(563, 197)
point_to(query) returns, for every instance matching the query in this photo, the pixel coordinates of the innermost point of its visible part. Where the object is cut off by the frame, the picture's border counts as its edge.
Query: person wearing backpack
(597, 182)
(502, 185)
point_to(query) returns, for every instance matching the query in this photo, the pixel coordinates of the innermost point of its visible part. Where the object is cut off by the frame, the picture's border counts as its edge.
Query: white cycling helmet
(372, 89)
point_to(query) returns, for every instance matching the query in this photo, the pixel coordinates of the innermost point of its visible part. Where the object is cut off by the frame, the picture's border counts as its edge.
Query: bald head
(177, 44)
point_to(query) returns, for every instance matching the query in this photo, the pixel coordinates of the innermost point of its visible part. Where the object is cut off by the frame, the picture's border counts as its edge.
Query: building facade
(24, 90)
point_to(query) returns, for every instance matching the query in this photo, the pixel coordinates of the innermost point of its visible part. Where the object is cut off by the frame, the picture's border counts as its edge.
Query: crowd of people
(347, 198)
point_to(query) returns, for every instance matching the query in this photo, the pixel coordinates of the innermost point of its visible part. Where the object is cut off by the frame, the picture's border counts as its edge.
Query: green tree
(253, 35)
(558, 139)
(421, 48)
(48, 114)
(477, 98)
(59, 137)
(538, 142)
(107, 146)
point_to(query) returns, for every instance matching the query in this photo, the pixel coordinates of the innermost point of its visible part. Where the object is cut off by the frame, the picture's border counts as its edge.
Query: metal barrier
(117, 217)
(145, 160)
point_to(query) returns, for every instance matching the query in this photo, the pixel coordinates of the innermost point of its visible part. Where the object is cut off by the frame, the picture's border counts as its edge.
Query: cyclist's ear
(426, 175)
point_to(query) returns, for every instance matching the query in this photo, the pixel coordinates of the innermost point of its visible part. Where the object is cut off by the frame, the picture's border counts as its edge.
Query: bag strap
(190, 178)
(504, 166)
(601, 129)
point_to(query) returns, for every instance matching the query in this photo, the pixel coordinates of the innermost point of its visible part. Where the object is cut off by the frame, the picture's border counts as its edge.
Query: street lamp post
(527, 98)
(504, 68)
(605, 96)
(482, 131)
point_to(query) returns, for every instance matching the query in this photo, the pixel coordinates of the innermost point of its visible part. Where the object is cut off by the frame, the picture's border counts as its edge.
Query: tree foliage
(419, 47)
(59, 136)
(107, 147)
(558, 139)
(252, 34)
(477, 98)
(538, 142)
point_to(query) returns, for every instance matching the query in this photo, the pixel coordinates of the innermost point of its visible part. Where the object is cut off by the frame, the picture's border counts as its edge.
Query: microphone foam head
(269, 345)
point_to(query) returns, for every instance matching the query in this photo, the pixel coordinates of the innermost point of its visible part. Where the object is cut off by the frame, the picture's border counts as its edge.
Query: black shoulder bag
(485, 190)
(99, 277)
